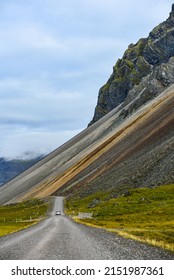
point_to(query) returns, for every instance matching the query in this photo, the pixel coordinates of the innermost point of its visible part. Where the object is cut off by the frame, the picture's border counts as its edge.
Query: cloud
(37, 103)
(16, 39)
(28, 143)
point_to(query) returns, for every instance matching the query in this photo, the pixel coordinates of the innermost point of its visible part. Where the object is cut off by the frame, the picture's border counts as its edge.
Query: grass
(144, 214)
(15, 217)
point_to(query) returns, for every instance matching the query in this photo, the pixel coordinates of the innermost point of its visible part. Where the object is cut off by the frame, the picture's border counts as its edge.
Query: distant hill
(11, 168)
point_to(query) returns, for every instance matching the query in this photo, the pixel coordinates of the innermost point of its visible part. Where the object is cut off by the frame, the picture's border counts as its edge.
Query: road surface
(60, 238)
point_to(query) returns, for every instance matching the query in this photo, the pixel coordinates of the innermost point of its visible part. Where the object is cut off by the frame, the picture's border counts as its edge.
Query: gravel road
(60, 238)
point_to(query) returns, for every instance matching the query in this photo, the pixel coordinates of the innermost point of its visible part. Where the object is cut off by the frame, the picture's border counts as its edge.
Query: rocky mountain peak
(171, 16)
(149, 58)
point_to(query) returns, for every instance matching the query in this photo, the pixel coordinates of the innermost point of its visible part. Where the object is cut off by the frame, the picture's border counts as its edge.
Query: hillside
(139, 154)
(136, 153)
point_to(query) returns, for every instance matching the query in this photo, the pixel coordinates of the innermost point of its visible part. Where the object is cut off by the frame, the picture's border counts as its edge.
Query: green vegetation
(137, 49)
(18, 216)
(105, 87)
(144, 214)
(129, 63)
(132, 67)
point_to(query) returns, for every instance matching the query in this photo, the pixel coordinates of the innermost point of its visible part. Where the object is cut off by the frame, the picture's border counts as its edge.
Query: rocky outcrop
(149, 60)
(149, 87)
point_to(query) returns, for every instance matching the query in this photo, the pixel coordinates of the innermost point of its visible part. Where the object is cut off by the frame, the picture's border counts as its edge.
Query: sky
(55, 55)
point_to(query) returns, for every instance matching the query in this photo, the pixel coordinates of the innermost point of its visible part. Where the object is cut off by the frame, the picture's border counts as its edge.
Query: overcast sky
(55, 55)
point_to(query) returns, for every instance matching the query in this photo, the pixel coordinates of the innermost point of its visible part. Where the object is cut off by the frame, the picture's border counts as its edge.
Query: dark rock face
(148, 88)
(150, 56)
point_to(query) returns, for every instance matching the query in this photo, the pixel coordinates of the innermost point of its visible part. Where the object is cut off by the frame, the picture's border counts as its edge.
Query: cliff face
(150, 60)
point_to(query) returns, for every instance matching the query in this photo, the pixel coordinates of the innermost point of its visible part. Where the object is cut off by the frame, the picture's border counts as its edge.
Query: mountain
(138, 152)
(132, 146)
(11, 168)
(144, 71)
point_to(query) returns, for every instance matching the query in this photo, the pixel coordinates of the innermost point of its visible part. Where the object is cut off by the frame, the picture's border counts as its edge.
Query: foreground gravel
(60, 238)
